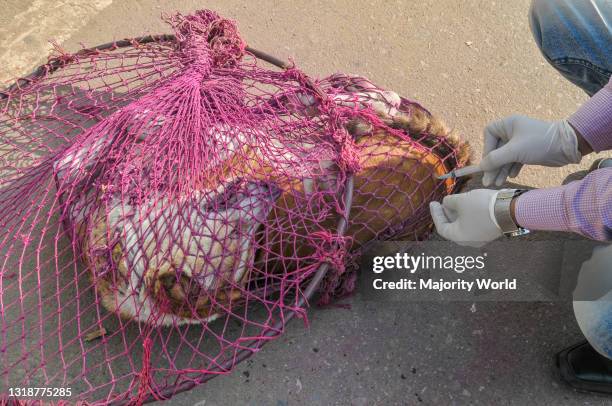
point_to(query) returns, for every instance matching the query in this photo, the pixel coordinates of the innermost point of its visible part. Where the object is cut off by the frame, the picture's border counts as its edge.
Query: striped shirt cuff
(594, 119)
(542, 209)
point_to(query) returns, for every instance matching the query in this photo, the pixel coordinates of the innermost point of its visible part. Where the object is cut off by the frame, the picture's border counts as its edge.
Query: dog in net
(170, 202)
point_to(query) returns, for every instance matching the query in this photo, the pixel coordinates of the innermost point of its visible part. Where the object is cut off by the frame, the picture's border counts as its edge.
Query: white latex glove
(516, 140)
(467, 218)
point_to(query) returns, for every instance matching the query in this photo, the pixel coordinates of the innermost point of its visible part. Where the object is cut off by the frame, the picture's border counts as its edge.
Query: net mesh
(166, 203)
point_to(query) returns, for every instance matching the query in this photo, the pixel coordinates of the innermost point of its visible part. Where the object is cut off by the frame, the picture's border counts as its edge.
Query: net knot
(337, 285)
(293, 73)
(207, 40)
(348, 158)
(59, 55)
(331, 248)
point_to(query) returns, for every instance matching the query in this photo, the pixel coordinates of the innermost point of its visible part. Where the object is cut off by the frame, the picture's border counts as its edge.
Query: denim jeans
(575, 37)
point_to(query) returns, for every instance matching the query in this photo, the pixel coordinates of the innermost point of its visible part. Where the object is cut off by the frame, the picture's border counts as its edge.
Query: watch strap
(502, 214)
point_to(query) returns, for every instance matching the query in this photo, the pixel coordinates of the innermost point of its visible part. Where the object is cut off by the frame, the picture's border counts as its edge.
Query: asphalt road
(470, 62)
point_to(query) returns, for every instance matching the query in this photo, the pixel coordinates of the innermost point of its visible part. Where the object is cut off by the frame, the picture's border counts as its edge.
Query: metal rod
(55, 64)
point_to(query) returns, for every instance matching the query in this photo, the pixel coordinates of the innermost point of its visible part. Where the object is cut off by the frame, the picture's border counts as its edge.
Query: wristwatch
(502, 215)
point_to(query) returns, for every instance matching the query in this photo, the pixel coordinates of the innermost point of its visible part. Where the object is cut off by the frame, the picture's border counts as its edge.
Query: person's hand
(516, 140)
(467, 218)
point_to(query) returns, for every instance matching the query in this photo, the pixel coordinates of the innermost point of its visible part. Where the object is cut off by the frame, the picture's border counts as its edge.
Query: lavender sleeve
(594, 119)
(583, 206)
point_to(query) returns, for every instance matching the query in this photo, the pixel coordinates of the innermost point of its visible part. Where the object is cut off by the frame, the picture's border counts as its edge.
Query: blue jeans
(575, 37)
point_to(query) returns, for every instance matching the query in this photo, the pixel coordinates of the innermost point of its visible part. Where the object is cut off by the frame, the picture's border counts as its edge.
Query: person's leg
(587, 365)
(575, 37)
(593, 300)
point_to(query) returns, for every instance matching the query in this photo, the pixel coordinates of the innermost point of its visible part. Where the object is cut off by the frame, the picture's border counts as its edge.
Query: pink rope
(179, 196)
(144, 385)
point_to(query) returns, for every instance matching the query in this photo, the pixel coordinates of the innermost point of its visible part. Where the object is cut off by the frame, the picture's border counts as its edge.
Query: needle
(468, 170)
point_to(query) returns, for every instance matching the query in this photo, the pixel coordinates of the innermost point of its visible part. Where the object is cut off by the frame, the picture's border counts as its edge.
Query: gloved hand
(516, 140)
(467, 218)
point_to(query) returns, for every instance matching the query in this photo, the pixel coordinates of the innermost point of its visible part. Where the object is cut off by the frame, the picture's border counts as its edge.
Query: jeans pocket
(582, 73)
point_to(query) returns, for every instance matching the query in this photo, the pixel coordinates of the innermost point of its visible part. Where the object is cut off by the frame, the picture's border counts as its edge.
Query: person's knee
(545, 4)
(574, 37)
(540, 21)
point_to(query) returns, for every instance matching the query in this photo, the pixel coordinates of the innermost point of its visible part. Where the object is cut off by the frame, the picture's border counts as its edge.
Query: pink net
(169, 203)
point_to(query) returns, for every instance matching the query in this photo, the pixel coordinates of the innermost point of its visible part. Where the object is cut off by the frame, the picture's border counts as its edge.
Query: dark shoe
(584, 369)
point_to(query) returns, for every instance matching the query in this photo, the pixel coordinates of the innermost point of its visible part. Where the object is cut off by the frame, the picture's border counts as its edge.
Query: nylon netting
(166, 202)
